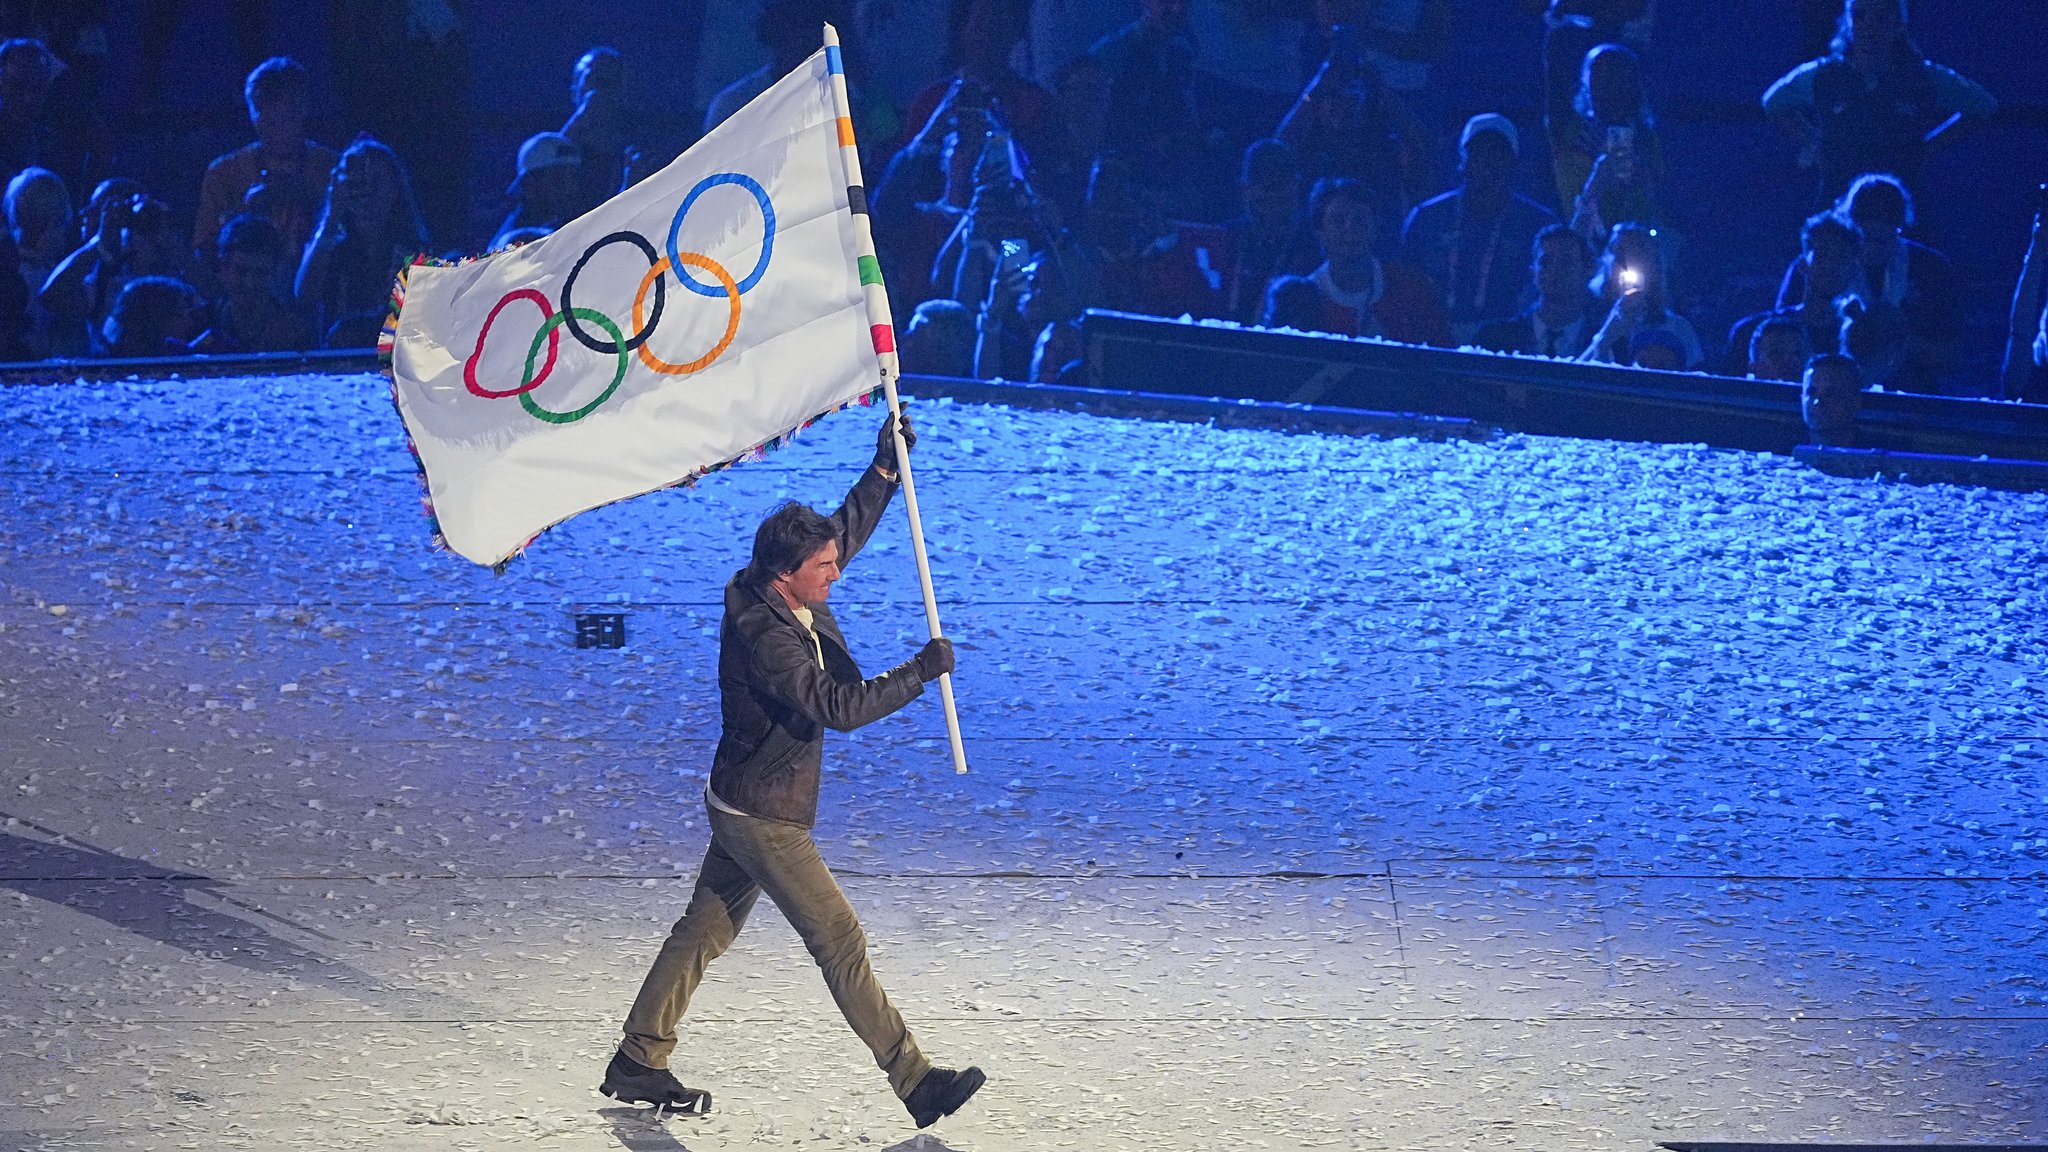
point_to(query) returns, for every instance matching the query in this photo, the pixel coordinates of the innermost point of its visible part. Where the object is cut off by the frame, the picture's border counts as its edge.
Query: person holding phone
(1609, 168)
(1874, 103)
(1631, 279)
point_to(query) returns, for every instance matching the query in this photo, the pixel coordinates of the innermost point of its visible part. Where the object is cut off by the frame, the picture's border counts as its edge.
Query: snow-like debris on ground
(1327, 792)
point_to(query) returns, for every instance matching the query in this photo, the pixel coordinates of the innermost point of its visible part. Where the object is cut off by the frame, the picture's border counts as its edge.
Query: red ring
(547, 312)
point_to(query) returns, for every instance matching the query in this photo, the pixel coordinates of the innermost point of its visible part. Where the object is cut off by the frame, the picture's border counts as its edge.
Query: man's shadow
(184, 910)
(638, 1130)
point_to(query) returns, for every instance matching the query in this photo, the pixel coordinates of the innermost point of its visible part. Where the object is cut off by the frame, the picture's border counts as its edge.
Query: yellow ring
(732, 318)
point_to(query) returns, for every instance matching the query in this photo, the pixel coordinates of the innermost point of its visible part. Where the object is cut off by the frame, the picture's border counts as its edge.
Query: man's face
(1881, 216)
(279, 119)
(1488, 160)
(247, 274)
(1830, 268)
(1560, 268)
(1829, 399)
(1345, 231)
(1778, 355)
(24, 79)
(1874, 22)
(812, 581)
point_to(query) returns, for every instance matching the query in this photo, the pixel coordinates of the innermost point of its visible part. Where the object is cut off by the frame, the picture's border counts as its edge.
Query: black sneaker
(630, 1082)
(941, 1093)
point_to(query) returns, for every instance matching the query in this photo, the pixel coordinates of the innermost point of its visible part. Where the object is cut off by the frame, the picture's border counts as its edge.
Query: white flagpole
(883, 328)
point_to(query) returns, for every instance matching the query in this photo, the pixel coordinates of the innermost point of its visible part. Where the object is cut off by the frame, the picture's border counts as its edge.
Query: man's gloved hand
(934, 660)
(885, 444)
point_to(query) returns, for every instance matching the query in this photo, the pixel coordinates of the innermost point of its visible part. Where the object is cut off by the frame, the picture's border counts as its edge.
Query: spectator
(40, 225)
(289, 169)
(1616, 155)
(1270, 236)
(254, 311)
(370, 227)
(1362, 295)
(404, 73)
(1912, 278)
(1154, 125)
(940, 339)
(1470, 240)
(982, 37)
(153, 316)
(1347, 123)
(789, 31)
(1632, 283)
(926, 190)
(601, 126)
(1656, 349)
(1141, 262)
(36, 131)
(1561, 321)
(1081, 98)
(1572, 28)
(1778, 349)
(1830, 396)
(2025, 376)
(1399, 38)
(39, 220)
(1873, 103)
(1829, 267)
(1293, 302)
(135, 240)
(115, 192)
(545, 192)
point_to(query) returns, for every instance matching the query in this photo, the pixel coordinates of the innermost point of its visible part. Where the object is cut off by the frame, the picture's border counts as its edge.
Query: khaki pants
(747, 857)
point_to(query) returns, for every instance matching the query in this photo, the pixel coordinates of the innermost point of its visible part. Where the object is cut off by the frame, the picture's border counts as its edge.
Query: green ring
(589, 315)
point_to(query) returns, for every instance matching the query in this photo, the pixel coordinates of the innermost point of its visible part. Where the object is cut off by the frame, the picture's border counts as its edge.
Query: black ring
(569, 321)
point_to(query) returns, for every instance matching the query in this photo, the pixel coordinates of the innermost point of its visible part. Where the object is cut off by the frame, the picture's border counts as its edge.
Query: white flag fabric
(710, 309)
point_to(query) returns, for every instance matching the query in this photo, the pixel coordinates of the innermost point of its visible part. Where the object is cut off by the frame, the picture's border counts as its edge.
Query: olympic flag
(709, 310)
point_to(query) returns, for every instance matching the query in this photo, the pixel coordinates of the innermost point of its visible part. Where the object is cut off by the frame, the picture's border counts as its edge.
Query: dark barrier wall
(1530, 394)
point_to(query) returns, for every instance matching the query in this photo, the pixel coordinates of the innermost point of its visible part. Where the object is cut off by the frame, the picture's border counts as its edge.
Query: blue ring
(675, 260)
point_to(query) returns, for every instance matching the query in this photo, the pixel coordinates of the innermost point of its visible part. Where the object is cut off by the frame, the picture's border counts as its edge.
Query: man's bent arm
(787, 665)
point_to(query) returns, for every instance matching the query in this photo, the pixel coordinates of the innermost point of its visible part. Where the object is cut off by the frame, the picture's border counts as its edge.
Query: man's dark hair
(36, 48)
(1550, 232)
(1777, 322)
(1837, 360)
(1330, 189)
(1876, 187)
(1293, 302)
(275, 77)
(246, 232)
(1268, 160)
(789, 536)
(1823, 228)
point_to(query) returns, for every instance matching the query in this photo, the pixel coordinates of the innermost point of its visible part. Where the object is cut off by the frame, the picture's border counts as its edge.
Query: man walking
(784, 676)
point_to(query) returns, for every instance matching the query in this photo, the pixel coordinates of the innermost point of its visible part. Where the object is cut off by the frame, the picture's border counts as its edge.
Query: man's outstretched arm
(857, 517)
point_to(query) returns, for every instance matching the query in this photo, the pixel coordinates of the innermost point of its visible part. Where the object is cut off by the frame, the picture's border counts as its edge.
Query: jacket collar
(746, 592)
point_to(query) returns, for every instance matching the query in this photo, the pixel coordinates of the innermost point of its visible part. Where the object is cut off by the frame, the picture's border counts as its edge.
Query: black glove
(934, 660)
(885, 444)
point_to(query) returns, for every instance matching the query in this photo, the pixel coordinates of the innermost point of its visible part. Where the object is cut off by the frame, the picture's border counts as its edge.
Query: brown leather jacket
(775, 699)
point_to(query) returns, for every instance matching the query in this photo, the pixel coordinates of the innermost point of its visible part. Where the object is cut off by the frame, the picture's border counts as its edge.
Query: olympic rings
(547, 312)
(732, 313)
(547, 332)
(640, 332)
(675, 258)
(644, 322)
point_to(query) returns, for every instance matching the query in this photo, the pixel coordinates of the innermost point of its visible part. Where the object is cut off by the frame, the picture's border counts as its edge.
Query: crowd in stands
(1024, 185)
